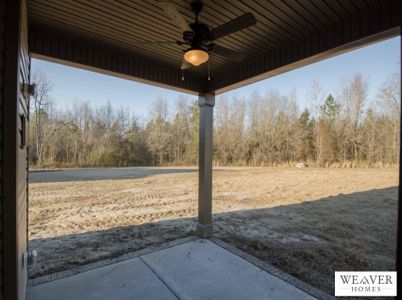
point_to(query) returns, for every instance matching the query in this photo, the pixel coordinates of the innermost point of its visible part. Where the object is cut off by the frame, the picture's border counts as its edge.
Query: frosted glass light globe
(196, 57)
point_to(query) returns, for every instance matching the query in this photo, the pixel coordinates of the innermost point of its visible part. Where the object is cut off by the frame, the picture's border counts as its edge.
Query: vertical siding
(22, 154)
(14, 71)
(1, 135)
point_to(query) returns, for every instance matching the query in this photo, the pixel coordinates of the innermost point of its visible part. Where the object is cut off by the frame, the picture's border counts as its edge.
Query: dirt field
(307, 222)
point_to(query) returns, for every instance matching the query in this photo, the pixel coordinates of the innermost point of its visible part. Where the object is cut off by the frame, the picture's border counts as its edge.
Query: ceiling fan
(200, 38)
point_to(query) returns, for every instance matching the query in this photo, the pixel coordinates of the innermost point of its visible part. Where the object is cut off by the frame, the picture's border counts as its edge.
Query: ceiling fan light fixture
(196, 56)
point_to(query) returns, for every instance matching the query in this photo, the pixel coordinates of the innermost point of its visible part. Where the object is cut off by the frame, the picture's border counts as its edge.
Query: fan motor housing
(188, 35)
(201, 31)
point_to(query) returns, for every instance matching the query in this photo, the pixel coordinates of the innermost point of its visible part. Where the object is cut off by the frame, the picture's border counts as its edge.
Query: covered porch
(142, 41)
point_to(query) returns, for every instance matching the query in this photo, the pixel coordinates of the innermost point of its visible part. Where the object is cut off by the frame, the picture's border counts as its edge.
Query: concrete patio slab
(127, 280)
(197, 269)
(203, 270)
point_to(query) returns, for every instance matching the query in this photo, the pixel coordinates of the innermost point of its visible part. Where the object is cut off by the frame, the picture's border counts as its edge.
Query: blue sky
(376, 62)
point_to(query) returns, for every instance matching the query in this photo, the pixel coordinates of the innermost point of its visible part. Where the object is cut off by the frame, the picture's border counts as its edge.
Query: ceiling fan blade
(232, 26)
(175, 15)
(226, 52)
(185, 65)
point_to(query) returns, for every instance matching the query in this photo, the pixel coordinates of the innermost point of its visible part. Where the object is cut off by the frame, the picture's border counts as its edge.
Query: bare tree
(389, 97)
(389, 104)
(180, 130)
(315, 97)
(40, 107)
(229, 129)
(158, 138)
(353, 95)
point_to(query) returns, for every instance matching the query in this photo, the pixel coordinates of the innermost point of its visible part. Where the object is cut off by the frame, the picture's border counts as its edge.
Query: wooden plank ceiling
(137, 26)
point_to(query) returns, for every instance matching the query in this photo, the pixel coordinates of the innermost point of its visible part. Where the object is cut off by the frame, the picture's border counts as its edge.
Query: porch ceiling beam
(378, 23)
(79, 51)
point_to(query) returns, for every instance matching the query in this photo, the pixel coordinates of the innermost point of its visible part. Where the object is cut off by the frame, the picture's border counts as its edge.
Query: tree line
(344, 129)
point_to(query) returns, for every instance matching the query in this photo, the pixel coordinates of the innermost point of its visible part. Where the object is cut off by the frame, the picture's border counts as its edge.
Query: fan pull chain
(182, 74)
(209, 69)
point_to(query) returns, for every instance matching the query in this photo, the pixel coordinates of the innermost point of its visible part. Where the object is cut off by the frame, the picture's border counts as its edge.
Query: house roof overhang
(118, 37)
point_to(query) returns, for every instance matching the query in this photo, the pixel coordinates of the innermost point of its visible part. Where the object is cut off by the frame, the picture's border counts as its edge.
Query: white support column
(206, 103)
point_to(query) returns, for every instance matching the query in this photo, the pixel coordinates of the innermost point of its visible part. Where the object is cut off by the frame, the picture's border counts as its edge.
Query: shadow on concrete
(309, 240)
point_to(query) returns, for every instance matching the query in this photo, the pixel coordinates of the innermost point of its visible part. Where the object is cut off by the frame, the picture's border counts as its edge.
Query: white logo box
(365, 284)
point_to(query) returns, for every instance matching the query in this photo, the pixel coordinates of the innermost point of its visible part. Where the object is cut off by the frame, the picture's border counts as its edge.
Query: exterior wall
(22, 154)
(1, 144)
(14, 72)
